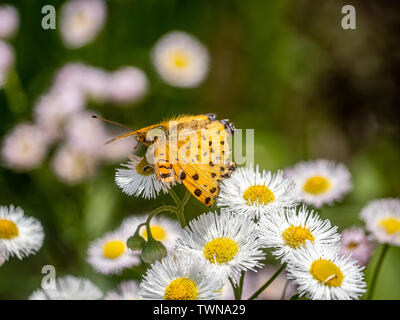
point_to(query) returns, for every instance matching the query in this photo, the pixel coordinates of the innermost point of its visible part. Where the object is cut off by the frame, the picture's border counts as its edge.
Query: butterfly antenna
(112, 122)
(117, 124)
(121, 137)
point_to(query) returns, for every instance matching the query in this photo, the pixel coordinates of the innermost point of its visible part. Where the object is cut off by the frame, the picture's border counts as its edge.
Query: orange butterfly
(193, 150)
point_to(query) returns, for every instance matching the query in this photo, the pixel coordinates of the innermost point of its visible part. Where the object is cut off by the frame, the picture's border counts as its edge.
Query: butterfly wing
(204, 161)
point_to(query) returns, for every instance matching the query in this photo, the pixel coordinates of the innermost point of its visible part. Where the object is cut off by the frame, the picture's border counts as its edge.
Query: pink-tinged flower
(356, 244)
(91, 82)
(54, 108)
(9, 21)
(118, 150)
(127, 85)
(72, 166)
(24, 148)
(7, 59)
(85, 133)
(81, 21)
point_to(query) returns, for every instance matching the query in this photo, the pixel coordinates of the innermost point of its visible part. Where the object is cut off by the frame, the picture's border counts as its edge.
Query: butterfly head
(149, 135)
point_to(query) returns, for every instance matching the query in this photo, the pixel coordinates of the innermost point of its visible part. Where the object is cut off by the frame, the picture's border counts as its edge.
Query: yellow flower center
(158, 233)
(297, 236)
(220, 250)
(113, 249)
(327, 273)
(181, 289)
(391, 225)
(180, 59)
(352, 245)
(261, 193)
(8, 229)
(144, 168)
(317, 185)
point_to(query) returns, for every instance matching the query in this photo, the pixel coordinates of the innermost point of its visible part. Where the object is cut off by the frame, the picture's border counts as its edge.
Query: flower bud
(153, 250)
(135, 242)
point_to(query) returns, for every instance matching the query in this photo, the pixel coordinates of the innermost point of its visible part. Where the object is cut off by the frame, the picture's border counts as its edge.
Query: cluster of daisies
(60, 115)
(223, 255)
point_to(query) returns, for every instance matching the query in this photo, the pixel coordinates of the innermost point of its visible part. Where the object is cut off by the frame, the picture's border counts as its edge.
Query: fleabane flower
(162, 229)
(226, 242)
(253, 193)
(127, 85)
(81, 21)
(181, 278)
(53, 109)
(127, 290)
(180, 59)
(20, 235)
(320, 273)
(321, 181)
(289, 232)
(139, 179)
(24, 147)
(356, 244)
(9, 21)
(382, 219)
(72, 166)
(69, 288)
(110, 255)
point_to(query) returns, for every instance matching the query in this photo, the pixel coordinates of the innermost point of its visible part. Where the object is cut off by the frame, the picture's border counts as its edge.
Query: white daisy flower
(382, 219)
(25, 147)
(81, 21)
(322, 274)
(21, 235)
(127, 290)
(139, 179)
(180, 59)
(227, 243)
(9, 21)
(180, 278)
(3, 254)
(253, 193)
(69, 288)
(162, 229)
(110, 255)
(320, 182)
(289, 232)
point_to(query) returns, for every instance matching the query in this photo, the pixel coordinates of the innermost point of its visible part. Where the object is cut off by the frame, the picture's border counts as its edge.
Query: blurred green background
(285, 68)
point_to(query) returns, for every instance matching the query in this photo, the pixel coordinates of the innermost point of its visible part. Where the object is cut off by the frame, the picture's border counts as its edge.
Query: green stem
(377, 270)
(180, 207)
(284, 289)
(240, 290)
(186, 198)
(154, 213)
(235, 289)
(270, 280)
